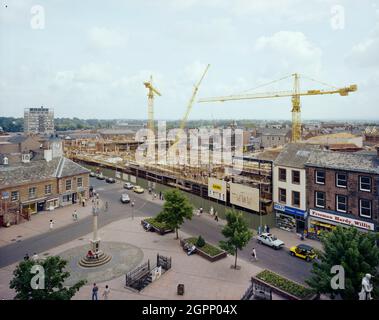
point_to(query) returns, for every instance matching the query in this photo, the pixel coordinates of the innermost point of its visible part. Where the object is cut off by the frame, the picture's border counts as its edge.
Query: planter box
(221, 255)
(161, 231)
(281, 292)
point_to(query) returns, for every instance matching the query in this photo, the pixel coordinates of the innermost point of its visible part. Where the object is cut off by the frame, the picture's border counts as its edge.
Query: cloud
(104, 38)
(365, 53)
(289, 51)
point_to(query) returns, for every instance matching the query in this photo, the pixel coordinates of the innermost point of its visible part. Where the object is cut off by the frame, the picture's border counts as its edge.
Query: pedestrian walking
(35, 257)
(160, 195)
(106, 292)
(254, 254)
(75, 215)
(106, 205)
(95, 289)
(259, 229)
(26, 257)
(83, 202)
(132, 203)
(51, 226)
(265, 228)
(268, 229)
(216, 216)
(211, 211)
(201, 210)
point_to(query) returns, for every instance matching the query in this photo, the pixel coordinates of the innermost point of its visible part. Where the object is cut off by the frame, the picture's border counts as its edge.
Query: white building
(39, 121)
(289, 186)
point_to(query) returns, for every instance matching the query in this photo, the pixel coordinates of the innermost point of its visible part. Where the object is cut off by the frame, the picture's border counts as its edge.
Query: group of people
(95, 290)
(92, 255)
(266, 229)
(33, 258)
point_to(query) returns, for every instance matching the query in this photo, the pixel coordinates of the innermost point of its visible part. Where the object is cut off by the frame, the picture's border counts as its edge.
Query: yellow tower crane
(150, 103)
(295, 98)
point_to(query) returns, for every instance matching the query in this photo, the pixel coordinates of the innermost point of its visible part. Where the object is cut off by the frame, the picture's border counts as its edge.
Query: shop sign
(290, 210)
(217, 189)
(342, 220)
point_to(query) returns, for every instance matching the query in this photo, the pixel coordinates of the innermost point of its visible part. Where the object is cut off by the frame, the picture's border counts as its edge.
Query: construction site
(191, 168)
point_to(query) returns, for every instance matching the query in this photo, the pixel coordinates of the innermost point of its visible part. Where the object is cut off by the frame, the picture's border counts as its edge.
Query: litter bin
(180, 289)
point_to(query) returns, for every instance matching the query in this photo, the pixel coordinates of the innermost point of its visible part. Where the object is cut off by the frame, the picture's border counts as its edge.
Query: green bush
(284, 284)
(157, 224)
(200, 242)
(207, 248)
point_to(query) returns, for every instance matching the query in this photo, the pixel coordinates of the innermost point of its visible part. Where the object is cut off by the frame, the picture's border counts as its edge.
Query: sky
(89, 58)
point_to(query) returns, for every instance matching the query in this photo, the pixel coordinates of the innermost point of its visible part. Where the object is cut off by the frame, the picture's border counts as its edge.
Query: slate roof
(17, 139)
(40, 170)
(295, 155)
(346, 161)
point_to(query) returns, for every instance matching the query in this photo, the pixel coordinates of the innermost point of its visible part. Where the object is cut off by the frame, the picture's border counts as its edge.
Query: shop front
(289, 218)
(52, 203)
(319, 221)
(68, 198)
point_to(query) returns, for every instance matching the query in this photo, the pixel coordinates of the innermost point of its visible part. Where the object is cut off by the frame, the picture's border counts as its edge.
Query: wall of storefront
(352, 192)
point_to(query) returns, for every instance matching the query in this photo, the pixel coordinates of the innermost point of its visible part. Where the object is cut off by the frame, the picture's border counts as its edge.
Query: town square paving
(202, 279)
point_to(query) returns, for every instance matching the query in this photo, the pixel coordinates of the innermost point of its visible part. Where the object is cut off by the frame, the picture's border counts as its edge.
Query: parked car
(128, 185)
(125, 198)
(270, 240)
(110, 180)
(100, 176)
(138, 189)
(303, 251)
(92, 174)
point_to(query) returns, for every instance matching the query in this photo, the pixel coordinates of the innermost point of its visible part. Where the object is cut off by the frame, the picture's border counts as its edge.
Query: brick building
(40, 185)
(342, 189)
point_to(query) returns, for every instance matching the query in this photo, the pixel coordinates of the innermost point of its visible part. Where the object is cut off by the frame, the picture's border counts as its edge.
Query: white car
(270, 240)
(128, 185)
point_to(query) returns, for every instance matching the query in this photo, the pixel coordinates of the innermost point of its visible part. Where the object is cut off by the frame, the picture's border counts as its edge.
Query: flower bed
(160, 227)
(285, 287)
(208, 251)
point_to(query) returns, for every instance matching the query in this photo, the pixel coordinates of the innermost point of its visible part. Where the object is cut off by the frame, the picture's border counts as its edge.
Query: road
(276, 260)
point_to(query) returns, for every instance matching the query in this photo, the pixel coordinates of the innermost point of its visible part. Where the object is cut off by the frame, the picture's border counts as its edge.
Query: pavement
(40, 223)
(39, 239)
(202, 279)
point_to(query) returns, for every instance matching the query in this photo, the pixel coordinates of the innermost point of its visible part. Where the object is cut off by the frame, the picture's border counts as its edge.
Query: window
(341, 203)
(80, 182)
(48, 189)
(320, 177)
(320, 199)
(365, 208)
(32, 192)
(282, 195)
(365, 183)
(296, 198)
(296, 176)
(68, 184)
(282, 174)
(14, 195)
(341, 180)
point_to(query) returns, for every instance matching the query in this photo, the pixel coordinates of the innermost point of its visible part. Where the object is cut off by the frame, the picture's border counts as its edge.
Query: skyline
(93, 65)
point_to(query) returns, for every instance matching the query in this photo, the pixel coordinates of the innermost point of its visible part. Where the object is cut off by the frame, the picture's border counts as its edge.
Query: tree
(176, 208)
(54, 277)
(352, 249)
(237, 234)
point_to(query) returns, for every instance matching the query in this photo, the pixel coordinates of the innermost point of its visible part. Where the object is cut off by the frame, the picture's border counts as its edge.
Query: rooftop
(295, 155)
(39, 170)
(344, 161)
